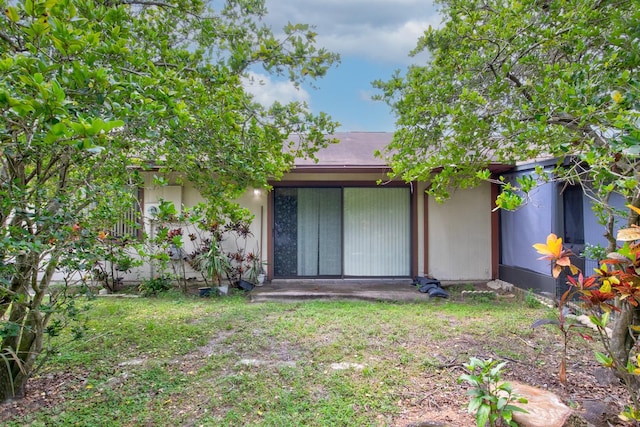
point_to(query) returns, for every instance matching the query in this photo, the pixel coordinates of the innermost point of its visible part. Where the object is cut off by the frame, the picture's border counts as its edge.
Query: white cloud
(266, 91)
(379, 30)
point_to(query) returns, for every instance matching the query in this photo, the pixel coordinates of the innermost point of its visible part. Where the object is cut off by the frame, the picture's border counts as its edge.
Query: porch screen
(376, 232)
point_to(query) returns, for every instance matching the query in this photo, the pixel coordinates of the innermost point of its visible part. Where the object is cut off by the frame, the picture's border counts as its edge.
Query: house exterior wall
(459, 235)
(185, 195)
(532, 223)
(451, 240)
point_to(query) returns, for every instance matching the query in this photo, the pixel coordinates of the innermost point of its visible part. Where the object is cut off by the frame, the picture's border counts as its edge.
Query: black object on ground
(204, 292)
(245, 286)
(431, 287)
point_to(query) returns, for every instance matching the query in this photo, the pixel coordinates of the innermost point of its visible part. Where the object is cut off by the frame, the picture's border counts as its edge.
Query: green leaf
(12, 13)
(482, 416)
(474, 404)
(28, 7)
(603, 359)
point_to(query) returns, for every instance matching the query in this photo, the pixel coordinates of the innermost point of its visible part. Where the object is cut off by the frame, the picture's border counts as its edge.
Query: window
(573, 215)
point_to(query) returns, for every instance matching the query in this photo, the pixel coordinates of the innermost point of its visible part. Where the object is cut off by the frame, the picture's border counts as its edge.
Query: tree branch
(10, 42)
(519, 85)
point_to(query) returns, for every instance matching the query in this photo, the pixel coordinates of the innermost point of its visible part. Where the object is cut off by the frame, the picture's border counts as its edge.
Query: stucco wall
(184, 194)
(530, 224)
(460, 235)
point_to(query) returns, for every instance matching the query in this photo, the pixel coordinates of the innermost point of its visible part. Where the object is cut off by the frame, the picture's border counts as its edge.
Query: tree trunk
(19, 351)
(16, 361)
(621, 342)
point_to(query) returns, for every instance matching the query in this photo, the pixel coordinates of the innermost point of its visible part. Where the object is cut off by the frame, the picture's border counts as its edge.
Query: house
(342, 218)
(553, 207)
(332, 219)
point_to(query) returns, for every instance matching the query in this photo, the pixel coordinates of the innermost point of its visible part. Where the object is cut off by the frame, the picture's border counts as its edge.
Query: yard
(225, 362)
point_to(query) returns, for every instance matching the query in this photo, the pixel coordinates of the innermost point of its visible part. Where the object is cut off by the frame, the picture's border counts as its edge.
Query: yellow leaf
(555, 244)
(552, 248)
(635, 209)
(616, 96)
(628, 234)
(606, 287)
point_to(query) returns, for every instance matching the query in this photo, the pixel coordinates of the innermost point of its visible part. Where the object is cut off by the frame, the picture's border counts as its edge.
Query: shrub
(491, 398)
(156, 286)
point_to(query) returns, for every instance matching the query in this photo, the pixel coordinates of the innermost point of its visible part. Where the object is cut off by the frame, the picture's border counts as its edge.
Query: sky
(373, 38)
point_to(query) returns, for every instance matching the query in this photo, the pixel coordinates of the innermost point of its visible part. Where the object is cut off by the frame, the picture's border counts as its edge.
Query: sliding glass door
(335, 232)
(307, 232)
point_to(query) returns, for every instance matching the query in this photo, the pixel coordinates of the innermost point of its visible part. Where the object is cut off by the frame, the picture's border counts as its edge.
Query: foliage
(491, 398)
(566, 325)
(215, 250)
(514, 81)
(91, 92)
(614, 288)
(155, 286)
(113, 257)
(242, 262)
(594, 252)
(531, 300)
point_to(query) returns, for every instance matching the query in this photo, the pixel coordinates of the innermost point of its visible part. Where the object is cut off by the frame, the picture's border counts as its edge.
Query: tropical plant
(566, 324)
(210, 261)
(236, 236)
(155, 286)
(257, 265)
(91, 93)
(614, 288)
(113, 258)
(491, 398)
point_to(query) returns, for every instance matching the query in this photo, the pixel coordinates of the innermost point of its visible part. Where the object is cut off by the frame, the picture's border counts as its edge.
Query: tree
(91, 92)
(517, 80)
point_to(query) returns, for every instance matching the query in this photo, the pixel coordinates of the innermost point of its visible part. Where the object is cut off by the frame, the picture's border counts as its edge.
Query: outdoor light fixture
(257, 192)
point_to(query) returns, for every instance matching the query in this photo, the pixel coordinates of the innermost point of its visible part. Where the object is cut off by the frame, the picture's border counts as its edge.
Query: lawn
(226, 362)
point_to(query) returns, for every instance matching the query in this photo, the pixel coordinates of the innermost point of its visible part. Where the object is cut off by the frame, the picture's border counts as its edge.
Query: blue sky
(373, 37)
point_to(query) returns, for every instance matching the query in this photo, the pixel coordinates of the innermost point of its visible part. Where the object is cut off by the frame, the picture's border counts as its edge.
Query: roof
(355, 150)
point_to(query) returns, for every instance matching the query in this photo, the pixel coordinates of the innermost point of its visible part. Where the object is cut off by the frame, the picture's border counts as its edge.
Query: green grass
(225, 362)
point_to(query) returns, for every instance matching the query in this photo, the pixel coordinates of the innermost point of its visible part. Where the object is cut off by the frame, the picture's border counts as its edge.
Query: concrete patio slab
(291, 290)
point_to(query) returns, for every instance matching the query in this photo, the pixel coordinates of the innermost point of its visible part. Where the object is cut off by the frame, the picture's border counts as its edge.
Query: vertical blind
(376, 232)
(319, 227)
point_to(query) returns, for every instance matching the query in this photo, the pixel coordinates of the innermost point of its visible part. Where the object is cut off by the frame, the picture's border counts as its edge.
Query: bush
(156, 286)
